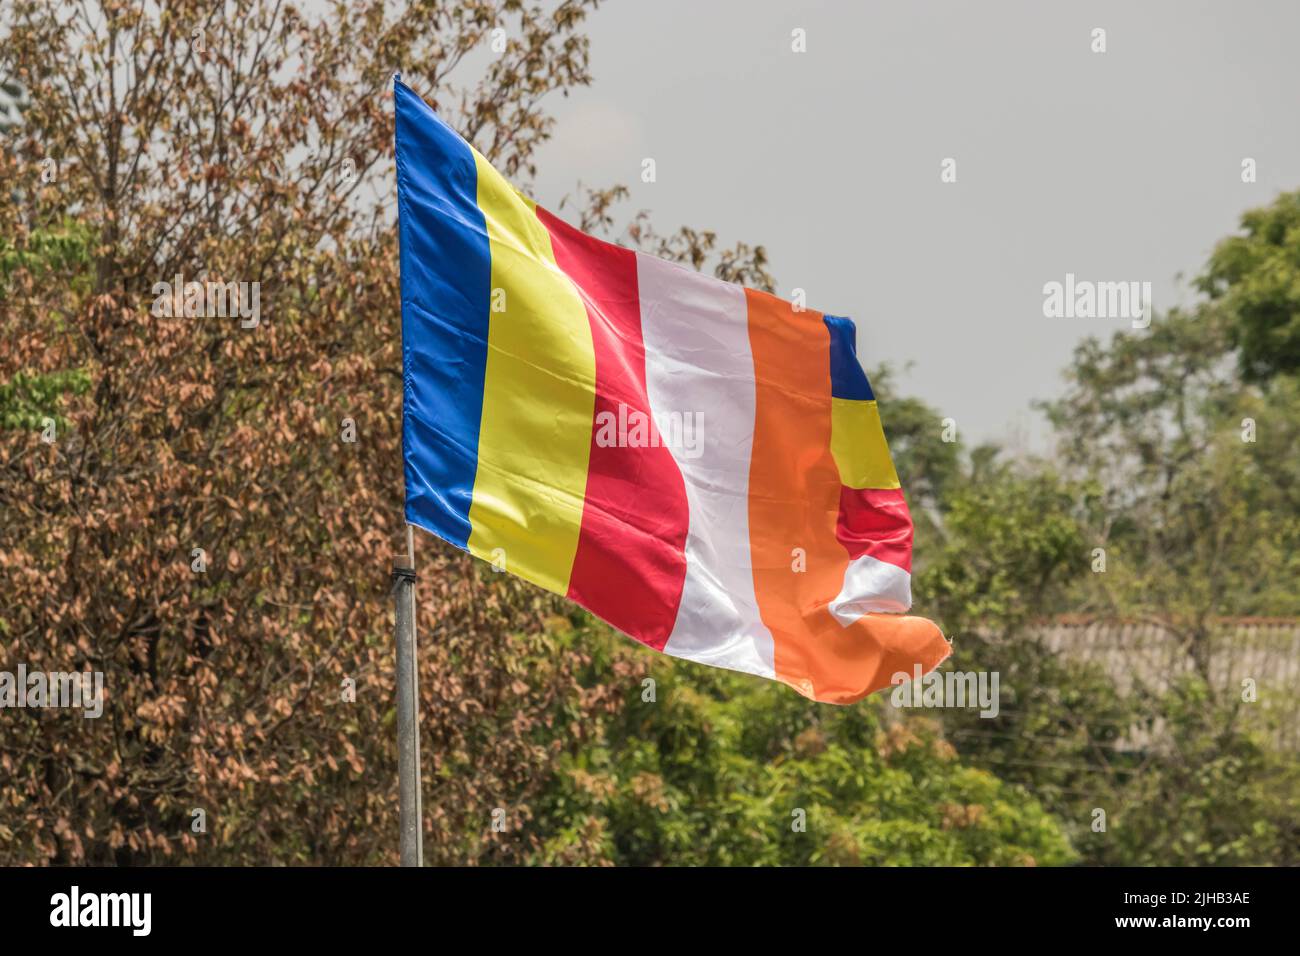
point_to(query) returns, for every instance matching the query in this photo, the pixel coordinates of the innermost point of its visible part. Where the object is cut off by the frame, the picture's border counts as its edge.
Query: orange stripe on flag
(794, 502)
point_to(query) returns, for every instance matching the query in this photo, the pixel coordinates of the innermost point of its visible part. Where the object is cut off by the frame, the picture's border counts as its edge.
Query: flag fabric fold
(701, 465)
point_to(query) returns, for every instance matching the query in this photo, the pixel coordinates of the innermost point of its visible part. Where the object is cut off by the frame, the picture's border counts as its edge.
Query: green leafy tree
(703, 767)
(1178, 463)
(1256, 276)
(56, 258)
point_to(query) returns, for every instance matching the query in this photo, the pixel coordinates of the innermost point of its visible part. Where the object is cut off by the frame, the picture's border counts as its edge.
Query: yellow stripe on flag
(538, 397)
(858, 445)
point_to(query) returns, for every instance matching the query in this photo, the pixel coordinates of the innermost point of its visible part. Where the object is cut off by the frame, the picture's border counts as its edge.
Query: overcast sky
(1116, 166)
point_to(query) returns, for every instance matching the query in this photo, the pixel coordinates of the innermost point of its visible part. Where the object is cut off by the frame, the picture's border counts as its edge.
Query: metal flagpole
(410, 803)
(409, 797)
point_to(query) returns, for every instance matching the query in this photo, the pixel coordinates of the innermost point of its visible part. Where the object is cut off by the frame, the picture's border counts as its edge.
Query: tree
(1177, 508)
(704, 767)
(12, 100)
(199, 531)
(1256, 277)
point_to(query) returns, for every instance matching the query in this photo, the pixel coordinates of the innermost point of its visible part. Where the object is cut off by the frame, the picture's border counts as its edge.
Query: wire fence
(1238, 657)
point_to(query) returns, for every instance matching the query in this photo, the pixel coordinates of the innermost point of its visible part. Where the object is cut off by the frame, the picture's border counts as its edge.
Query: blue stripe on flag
(446, 268)
(847, 378)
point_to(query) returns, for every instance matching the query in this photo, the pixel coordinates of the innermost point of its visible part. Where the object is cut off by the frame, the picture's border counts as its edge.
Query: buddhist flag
(701, 465)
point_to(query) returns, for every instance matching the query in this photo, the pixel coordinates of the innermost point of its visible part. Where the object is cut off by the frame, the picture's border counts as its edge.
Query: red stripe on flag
(876, 521)
(631, 558)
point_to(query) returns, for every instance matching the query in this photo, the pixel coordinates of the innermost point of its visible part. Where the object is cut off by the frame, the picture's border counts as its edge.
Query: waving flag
(701, 465)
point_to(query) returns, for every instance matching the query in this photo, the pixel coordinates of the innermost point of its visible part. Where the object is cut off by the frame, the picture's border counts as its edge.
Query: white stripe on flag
(698, 362)
(872, 585)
